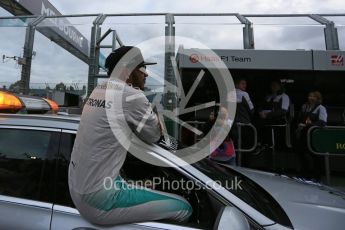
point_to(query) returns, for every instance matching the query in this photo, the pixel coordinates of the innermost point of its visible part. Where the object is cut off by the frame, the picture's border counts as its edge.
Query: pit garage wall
(303, 70)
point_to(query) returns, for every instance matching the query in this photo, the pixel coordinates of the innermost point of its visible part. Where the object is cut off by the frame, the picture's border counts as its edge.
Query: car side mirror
(231, 218)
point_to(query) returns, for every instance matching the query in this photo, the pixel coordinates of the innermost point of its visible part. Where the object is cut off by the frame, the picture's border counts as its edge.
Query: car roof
(56, 121)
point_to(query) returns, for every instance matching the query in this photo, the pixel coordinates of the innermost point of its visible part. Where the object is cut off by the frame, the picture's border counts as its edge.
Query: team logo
(337, 60)
(193, 58)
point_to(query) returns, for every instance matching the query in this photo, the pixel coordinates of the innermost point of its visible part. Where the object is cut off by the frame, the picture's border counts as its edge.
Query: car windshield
(245, 189)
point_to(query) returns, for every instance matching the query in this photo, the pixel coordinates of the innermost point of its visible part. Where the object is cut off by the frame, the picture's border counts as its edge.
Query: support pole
(327, 170)
(239, 159)
(331, 37)
(94, 53)
(248, 32)
(113, 44)
(170, 98)
(92, 61)
(24, 86)
(330, 32)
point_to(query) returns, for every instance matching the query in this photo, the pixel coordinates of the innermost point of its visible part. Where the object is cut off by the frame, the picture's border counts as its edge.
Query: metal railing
(330, 35)
(239, 149)
(195, 124)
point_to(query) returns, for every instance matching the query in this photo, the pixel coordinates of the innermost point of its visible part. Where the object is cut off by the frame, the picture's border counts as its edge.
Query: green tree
(60, 87)
(15, 87)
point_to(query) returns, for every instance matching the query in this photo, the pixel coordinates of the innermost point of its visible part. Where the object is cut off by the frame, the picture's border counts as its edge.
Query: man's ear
(126, 76)
(129, 77)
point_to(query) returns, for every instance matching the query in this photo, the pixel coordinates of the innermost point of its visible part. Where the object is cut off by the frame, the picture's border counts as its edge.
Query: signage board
(60, 25)
(328, 140)
(319, 60)
(329, 60)
(246, 59)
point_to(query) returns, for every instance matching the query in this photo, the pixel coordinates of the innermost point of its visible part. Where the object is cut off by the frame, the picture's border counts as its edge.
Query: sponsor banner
(60, 25)
(247, 59)
(329, 60)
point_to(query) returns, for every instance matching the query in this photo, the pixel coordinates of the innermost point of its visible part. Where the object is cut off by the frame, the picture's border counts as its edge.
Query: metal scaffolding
(92, 59)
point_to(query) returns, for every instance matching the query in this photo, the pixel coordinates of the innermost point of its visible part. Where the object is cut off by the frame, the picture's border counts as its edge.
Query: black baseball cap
(135, 58)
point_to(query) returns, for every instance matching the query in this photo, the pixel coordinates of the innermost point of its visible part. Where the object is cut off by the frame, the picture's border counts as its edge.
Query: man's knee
(185, 211)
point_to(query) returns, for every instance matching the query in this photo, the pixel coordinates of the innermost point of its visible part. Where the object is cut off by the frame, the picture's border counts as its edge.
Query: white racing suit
(97, 157)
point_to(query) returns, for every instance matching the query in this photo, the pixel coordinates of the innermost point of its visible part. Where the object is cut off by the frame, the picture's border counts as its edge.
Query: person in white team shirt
(98, 155)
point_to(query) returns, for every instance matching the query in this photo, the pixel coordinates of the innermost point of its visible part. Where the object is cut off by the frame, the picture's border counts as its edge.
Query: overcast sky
(205, 6)
(52, 64)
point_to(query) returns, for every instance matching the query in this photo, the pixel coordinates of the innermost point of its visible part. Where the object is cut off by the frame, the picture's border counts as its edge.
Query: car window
(62, 191)
(27, 163)
(245, 189)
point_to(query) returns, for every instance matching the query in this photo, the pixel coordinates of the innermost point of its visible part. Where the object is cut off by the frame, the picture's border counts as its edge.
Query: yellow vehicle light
(54, 107)
(9, 102)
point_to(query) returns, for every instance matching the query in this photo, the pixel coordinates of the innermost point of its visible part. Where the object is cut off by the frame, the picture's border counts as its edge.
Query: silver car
(34, 156)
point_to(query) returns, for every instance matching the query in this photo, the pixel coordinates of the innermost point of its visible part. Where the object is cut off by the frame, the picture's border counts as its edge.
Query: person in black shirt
(209, 123)
(312, 113)
(244, 114)
(245, 107)
(276, 105)
(273, 112)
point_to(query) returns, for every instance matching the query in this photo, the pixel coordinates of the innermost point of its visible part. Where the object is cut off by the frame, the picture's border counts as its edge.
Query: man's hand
(161, 127)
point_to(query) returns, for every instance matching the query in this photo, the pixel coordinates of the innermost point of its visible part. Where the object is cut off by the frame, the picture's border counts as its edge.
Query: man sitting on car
(98, 191)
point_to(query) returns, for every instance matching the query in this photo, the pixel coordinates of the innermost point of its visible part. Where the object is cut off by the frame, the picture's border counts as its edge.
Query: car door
(27, 163)
(65, 216)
